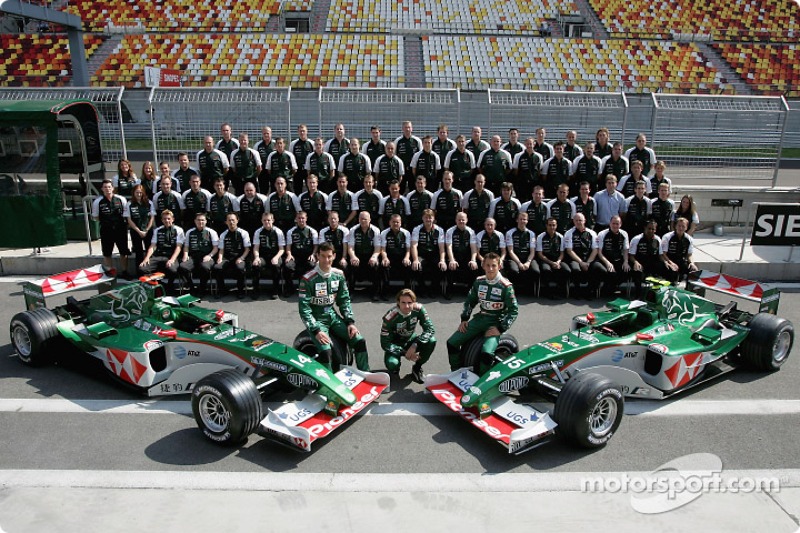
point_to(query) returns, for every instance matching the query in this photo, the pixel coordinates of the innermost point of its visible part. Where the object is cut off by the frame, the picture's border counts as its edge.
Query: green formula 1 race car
(652, 349)
(162, 345)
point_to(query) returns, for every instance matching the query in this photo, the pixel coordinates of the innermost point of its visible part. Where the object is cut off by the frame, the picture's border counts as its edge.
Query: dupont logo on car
(659, 348)
(513, 384)
(302, 381)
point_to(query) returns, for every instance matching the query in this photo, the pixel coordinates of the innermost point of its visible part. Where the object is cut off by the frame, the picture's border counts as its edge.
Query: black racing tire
(769, 342)
(341, 354)
(34, 334)
(589, 410)
(471, 354)
(507, 345)
(227, 407)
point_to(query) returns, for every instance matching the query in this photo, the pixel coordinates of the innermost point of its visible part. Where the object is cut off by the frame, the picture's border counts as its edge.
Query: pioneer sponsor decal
(272, 365)
(321, 429)
(544, 367)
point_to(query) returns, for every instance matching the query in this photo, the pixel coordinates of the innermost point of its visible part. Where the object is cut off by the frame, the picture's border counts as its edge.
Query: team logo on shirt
(482, 290)
(497, 291)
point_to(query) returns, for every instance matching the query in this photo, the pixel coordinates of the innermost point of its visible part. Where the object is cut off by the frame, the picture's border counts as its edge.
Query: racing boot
(417, 374)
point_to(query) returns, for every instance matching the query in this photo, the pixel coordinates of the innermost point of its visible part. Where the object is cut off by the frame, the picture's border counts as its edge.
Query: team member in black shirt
(612, 266)
(234, 249)
(201, 244)
(109, 209)
(269, 245)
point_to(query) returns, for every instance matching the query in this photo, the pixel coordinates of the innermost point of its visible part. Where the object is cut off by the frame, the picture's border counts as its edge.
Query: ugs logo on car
(302, 381)
(513, 384)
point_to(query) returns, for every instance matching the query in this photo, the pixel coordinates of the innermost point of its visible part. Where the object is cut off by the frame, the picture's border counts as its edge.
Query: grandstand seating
(449, 16)
(773, 20)
(478, 62)
(299, 60)
(39, 59)
(175, 15)
(769, 68)
(296, 5)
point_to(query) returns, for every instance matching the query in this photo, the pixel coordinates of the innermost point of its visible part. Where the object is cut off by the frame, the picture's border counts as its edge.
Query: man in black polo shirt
(313, 202)
(251, 206)
(282, 164)
(200, 246)
(211, 163)
(234, 248)
(678, 247)
(646, 257)
(363, 249)
(299, 148)
(164, 250)
(341, 201)
(537, 211)
(264, 147)
(269, 245)
(283, 204)
(527, 168)
(426, 163)
(109, 210)
(580, 251)
(461, 164)
(406, 146)
(301, 247)
(612, 266)
(521, 266)
(428, 259)
(355, 166)
(323, 165)
(446, 202)
(550, 254)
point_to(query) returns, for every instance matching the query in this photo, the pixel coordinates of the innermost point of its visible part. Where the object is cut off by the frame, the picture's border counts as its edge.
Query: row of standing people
(526, 163)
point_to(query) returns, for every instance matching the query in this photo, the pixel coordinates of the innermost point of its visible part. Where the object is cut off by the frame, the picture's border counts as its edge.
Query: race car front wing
(518, 427)
(301, 423)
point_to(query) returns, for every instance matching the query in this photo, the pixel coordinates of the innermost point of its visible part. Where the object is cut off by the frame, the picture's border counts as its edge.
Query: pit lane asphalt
(382, 444)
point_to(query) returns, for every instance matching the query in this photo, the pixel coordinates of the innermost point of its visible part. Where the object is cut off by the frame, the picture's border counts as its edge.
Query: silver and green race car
(163, 345)
(673, 340)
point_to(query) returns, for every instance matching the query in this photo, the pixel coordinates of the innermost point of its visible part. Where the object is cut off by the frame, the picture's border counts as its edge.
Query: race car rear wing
(37, 291)
(766, 295)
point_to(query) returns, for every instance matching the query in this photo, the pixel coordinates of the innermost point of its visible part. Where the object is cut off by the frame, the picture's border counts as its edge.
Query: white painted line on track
(761, 407)
(338, 482)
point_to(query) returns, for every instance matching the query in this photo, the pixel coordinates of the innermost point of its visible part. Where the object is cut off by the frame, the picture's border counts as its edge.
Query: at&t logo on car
(179, 352)
(513, 384)
(301, 381)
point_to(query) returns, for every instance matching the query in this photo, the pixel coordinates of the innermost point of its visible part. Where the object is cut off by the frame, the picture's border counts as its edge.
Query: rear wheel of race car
(507, 345)
(589, 410)
(769, 342)
(33, 335)
(227, 406)
(341, 355)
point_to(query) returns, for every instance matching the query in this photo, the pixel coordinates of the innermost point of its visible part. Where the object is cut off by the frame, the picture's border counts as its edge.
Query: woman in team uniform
(125, 179)
(140, 222)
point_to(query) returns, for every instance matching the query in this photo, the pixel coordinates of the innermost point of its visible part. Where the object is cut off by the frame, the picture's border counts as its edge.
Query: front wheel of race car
(33, 335)
(769, 342)
(341, 354)
(589, 410)
(507, 346)
(227, 406)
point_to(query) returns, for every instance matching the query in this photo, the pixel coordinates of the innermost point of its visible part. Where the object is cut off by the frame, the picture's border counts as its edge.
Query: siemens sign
(776, 225)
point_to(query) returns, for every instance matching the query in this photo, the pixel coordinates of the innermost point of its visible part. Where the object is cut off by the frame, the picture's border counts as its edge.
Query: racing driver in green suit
(398, 339)
(498, 310)
(320, 289)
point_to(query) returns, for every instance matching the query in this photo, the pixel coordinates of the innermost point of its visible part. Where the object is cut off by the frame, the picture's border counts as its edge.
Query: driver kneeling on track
(320, 289)
(498, 310)
(398, 339)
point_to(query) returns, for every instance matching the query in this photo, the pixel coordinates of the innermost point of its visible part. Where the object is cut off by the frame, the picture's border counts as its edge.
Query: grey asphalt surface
(153, 443)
